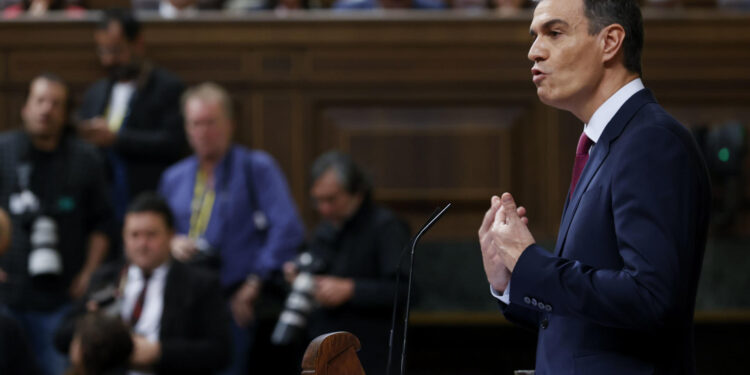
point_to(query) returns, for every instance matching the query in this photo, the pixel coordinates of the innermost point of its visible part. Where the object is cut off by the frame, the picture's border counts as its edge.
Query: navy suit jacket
(617, 295)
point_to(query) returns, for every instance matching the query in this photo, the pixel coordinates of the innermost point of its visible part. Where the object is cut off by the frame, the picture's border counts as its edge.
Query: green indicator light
(724, 154)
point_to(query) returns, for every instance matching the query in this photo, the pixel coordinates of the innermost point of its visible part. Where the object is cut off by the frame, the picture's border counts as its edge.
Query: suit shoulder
(384, 218)
(178, 169)
(196, 277)
(99, 85)
(163, 77)
(9, 137)
(654, 123)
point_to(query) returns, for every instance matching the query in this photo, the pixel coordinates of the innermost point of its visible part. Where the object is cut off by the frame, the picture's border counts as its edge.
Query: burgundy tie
(138, 308)
(582, 156)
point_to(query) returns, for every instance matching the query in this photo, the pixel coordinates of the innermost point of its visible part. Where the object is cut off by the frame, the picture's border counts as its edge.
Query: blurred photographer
(233, 211)
(52, 186)
(359, 243)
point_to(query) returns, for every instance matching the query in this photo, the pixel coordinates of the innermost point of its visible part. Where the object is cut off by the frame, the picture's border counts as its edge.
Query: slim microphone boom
(436, 215)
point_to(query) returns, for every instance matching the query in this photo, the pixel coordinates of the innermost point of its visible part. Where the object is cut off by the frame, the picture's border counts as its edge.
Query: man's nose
(536, 52)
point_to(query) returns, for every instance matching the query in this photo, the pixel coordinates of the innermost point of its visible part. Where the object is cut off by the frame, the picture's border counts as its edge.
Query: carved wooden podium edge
(333, 354)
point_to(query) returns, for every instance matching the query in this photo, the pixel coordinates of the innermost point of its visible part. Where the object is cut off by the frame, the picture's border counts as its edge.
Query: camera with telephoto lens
(300, 302)
(44, 258)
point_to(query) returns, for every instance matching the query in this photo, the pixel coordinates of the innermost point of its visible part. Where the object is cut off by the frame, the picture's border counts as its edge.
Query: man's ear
(612, 38)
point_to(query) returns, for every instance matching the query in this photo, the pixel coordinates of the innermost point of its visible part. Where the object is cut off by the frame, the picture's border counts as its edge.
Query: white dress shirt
(119, 100)
(593, 129)
(149, 324)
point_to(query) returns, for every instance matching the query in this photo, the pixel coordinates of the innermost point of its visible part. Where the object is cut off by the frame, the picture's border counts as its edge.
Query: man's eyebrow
(549, 24)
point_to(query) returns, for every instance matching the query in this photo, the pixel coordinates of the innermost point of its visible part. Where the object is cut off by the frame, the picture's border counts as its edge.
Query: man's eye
(554, 34)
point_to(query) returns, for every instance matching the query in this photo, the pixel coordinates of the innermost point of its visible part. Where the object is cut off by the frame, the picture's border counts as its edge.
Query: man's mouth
(537, 75)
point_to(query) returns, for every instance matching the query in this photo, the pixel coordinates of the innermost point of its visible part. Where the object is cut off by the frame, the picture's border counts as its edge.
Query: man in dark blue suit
(617, 295)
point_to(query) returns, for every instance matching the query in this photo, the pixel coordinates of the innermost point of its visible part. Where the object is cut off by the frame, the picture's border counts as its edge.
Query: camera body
(300, 302)
(44, 258)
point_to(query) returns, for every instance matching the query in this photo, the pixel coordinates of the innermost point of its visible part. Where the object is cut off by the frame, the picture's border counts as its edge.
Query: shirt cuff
(505, 297)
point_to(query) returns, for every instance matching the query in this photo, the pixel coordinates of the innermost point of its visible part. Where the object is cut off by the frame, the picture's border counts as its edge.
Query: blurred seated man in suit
(177, 314)
(358, 244)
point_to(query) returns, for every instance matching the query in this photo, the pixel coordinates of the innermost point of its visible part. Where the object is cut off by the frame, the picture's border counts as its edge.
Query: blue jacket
(617, 295)
(243, 248)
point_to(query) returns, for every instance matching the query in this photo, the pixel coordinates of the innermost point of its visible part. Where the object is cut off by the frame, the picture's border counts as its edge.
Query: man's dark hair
(352, 177)
(106, 343)
(152, 202)
(131, 28)
(626, 13)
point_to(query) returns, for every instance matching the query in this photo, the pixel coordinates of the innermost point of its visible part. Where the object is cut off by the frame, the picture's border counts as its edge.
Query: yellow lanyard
(115, 122)
(201, 206)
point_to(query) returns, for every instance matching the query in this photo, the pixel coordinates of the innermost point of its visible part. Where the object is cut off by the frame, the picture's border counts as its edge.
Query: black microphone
(436, 215)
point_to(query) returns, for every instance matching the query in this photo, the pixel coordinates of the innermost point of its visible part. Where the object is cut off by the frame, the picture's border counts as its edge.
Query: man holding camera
(52, 186)
(358, 245)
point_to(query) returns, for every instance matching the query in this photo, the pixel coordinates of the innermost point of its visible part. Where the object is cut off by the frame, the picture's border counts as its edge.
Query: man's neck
(208, 164)
(608, 86)
(45, 143)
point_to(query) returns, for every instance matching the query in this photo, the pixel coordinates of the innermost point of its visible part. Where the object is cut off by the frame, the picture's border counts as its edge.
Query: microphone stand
(436, 215)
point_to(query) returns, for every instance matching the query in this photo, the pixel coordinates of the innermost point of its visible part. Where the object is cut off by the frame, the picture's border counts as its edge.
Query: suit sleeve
(285, 230)
(208, 351)
(654, 195)
(520, 315)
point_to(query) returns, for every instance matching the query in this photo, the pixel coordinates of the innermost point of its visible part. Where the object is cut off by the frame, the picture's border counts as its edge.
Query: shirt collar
(134, 272)
(607, 111)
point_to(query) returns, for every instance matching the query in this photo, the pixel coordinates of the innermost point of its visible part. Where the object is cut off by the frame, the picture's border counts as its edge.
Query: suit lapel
(102, 98)
(598, 155)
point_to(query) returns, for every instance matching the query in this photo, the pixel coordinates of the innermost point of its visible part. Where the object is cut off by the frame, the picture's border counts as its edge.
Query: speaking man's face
(568, 62)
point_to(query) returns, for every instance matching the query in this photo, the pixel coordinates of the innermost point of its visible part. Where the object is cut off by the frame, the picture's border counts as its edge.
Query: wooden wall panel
(75, 65)
(418, 63)
(202, 64)
(438, 105)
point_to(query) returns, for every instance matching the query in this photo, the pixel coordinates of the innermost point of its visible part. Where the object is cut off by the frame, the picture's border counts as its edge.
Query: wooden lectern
(333, 354)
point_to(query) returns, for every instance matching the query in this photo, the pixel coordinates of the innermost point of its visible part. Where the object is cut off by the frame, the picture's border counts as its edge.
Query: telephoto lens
(44, 259)
(299, 304)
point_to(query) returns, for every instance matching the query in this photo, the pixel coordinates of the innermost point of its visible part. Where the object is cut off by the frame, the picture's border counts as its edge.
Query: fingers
(290, 272)
(507, 212)
(489, 216)
(183, 248)
(521, 211)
